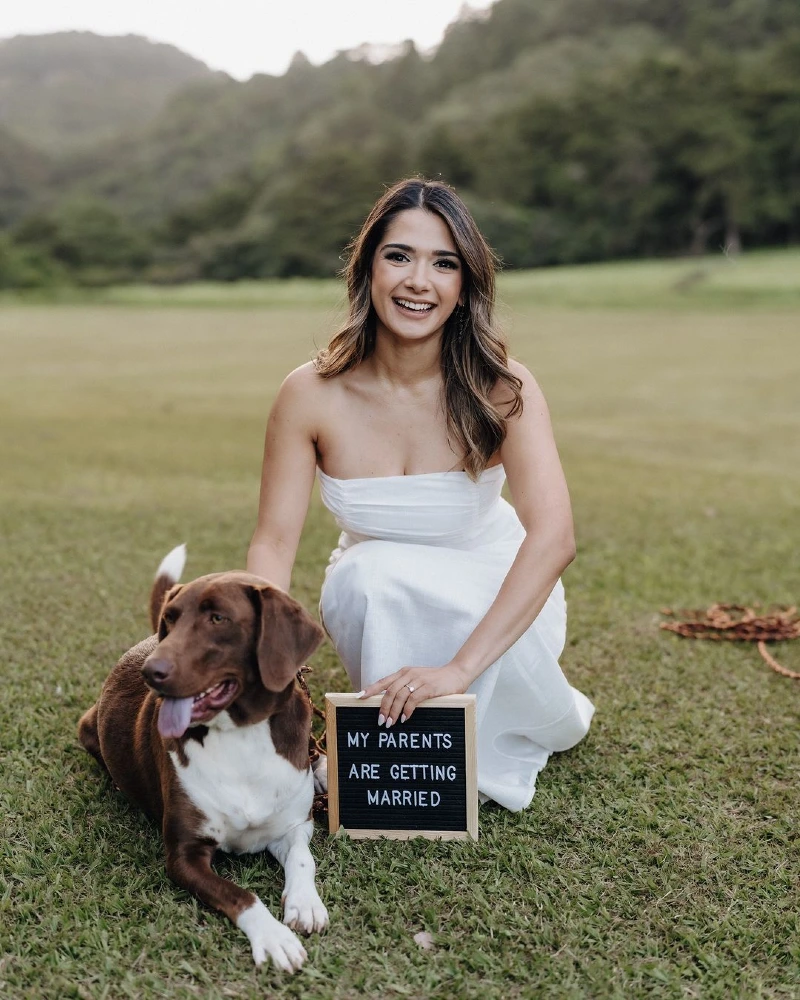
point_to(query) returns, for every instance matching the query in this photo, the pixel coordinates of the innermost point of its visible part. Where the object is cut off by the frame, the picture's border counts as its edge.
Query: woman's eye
(396, 256)
(448, 265)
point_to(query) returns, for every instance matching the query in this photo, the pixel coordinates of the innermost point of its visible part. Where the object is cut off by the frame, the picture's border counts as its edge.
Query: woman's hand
(406, 688)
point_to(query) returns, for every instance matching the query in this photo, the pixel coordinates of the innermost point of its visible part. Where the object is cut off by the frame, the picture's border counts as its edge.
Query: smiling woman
(404, 271)
(412, 418)
(420, 247)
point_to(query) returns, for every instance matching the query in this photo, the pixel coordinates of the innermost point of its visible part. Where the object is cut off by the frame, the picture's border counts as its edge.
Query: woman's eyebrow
(408, 249)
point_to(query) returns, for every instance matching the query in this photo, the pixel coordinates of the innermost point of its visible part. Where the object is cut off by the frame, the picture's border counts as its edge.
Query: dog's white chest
(249, 794)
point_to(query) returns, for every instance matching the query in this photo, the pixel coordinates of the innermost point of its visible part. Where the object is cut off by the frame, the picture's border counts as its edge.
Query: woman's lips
(410, 308)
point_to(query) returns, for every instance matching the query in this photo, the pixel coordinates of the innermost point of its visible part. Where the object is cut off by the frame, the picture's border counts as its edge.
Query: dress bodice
(435, 508)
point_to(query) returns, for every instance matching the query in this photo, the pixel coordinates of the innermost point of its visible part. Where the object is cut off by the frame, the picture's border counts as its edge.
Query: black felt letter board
(411, 777)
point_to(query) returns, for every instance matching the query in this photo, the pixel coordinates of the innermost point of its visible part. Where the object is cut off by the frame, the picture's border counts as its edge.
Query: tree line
(673, 131)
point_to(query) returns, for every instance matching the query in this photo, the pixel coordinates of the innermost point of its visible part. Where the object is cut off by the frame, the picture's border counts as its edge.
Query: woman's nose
(417, 277)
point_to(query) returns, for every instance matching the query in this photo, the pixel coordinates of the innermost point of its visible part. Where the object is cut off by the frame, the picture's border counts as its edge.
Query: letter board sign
(416, 779)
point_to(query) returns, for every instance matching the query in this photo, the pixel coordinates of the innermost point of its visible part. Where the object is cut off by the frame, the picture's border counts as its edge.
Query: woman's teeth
(414, 306)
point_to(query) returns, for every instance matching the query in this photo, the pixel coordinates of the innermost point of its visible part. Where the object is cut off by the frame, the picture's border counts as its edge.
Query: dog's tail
(167, 575)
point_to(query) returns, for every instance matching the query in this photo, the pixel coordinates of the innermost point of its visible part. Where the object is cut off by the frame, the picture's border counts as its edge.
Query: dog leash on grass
(739, 623)
(316, 746)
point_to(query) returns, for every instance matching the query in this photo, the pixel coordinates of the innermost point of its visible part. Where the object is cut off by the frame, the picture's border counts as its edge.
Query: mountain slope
(22, 171)
(212, 131)
(71, 89)
(510, 54)
(576, 130)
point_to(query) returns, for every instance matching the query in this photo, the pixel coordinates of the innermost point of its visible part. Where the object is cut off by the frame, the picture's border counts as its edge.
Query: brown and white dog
(203, 726)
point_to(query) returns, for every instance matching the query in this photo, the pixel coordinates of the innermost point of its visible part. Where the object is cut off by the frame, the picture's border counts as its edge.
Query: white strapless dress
(419, 561)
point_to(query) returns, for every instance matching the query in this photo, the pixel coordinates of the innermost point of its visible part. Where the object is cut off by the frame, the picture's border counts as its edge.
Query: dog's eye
(217, 618)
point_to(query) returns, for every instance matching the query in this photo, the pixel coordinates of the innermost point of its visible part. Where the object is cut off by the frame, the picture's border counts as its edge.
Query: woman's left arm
(540, 496)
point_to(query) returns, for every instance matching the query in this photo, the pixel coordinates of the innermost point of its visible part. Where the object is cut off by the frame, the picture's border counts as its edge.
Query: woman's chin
(411, 331)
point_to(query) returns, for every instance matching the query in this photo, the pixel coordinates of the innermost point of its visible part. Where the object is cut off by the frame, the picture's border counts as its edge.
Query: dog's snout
(156, 671)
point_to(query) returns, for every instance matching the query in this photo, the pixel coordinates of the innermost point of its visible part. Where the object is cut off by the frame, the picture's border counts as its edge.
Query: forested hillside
(70, 89)
(23, 170)
(577, 129)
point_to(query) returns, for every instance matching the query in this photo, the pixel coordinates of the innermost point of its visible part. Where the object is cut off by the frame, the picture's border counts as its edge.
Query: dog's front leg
(189, 864)
(302, 907)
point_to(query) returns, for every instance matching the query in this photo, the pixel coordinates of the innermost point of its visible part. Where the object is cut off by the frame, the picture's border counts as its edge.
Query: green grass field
(659, 858)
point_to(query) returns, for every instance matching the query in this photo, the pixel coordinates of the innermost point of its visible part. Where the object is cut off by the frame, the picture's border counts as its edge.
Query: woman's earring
(463, 321)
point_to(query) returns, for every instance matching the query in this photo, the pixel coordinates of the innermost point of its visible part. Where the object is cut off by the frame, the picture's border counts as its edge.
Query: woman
(412, 418)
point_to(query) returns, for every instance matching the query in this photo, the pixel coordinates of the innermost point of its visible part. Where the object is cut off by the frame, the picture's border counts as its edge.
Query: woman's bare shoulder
(306, 386)
(522, 373)
(306, 378)
(501, 395)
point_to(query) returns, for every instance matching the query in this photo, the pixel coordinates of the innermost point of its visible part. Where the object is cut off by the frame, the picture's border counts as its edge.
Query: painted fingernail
(361, 694)
(389, 723)
(381, 720)
(402, 718)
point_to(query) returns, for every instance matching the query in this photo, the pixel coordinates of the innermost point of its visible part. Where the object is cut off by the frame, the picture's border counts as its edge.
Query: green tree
(89, 240)
(26, 267)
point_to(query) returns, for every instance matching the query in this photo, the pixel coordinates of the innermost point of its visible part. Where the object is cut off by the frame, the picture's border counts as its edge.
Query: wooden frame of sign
(416, 779)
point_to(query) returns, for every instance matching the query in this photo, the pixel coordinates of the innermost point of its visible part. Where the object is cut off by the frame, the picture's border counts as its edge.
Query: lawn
(659, 858)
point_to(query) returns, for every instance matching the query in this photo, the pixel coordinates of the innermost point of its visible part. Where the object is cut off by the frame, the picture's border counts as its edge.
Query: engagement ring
(410, 687)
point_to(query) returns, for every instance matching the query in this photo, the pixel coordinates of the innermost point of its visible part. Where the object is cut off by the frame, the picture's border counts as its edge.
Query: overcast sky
(243, 36)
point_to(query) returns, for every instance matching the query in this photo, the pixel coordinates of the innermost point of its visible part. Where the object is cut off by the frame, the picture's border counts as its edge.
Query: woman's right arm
(287, 478)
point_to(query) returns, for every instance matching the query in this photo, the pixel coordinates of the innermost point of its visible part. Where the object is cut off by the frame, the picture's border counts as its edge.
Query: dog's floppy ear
(288, 636)
(162, 625)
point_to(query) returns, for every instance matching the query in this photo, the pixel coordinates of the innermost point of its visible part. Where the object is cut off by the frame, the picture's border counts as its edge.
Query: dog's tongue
(174, 716)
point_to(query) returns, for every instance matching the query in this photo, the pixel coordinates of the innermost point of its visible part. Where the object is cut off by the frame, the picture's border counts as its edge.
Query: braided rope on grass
(739, 623)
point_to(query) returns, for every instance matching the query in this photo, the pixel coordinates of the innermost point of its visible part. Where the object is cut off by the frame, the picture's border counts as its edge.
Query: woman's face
(417, 275)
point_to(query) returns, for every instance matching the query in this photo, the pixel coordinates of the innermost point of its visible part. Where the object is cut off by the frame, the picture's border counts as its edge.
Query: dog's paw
(305, 912)
(320, 771)
(283, 947)
(269, 937)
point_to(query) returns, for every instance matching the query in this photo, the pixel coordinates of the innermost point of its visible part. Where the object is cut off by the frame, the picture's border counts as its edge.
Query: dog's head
(226, 640)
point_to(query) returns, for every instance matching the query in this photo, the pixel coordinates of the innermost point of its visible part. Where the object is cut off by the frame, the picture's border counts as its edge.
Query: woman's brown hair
(474, 355)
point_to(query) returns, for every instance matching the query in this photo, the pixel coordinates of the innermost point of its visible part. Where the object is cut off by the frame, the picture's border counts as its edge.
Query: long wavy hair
(474, 356)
